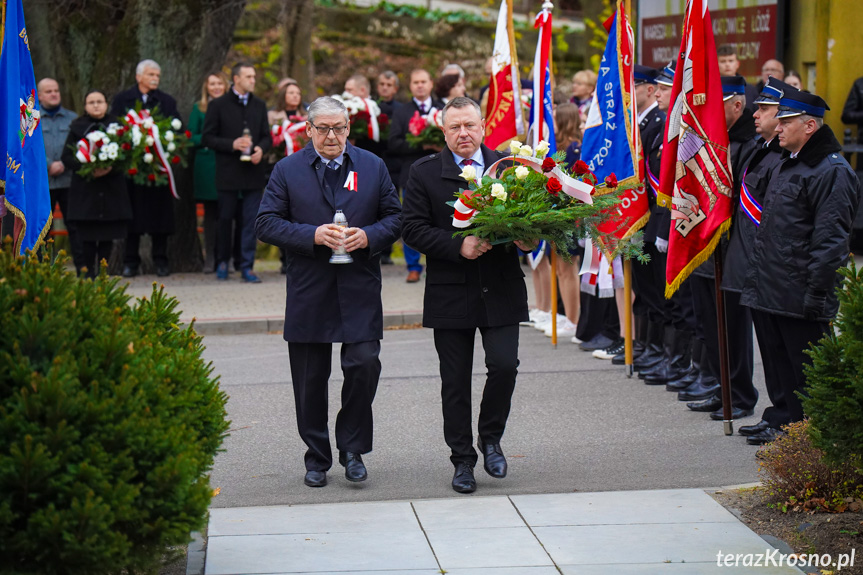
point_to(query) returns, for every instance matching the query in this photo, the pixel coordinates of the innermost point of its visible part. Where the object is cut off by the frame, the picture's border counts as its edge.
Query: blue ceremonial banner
(25, 178)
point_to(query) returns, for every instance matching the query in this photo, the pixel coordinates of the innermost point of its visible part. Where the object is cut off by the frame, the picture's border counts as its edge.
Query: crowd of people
(796, 194)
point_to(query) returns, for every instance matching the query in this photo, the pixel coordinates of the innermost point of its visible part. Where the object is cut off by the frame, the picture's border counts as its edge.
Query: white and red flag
(696, 172)
(352, 183)
(504, 119)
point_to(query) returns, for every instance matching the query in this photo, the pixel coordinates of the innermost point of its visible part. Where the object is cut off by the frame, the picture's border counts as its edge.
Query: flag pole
(553, 263)
(724, 371)
(627, 299)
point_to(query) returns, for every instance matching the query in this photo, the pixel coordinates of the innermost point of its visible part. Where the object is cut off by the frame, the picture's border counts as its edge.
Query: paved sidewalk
(677, 531)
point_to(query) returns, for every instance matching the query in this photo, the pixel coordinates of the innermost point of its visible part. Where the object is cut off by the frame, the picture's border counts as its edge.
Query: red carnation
(581, 168)
(151, 177)
(611, 181)
(188, 134)
(417, 124)
(548, 165)
(121, 131)
(126, 146)
(133, 171)
(553, 186)
(100, 143)
(175, 160)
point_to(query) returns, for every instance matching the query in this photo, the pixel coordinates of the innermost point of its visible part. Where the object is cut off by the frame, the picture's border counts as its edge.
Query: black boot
(688, 376)
(678, 344)
(639, 340)
(703, 387)
(653, 353)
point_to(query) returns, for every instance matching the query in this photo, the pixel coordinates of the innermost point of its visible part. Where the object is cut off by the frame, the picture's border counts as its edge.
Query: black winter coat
(398, 146)
(128, 99)
(805, 229)
(743, 231)
(102, 199)
(225, 120)
(652, 129)
(459, 293)
(852, 113)
(742, 145)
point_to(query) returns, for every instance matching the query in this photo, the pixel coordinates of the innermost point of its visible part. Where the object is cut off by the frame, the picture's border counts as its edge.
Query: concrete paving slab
(318, 553)
(673, 542)
(473, 513)
(312, 519)
(503, 571)
(490, 547)
(674, 569)
(627, 507)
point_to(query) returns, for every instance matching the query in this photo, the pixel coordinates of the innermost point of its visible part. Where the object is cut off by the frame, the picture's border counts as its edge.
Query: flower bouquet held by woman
(426, 130)
(99, 150)
(289, 136)
(534, 197)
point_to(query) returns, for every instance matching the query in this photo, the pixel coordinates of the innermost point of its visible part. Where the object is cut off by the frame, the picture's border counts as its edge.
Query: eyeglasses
(325, 130)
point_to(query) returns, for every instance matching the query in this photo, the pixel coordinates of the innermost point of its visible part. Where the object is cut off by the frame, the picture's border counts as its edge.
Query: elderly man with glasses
(330, 302)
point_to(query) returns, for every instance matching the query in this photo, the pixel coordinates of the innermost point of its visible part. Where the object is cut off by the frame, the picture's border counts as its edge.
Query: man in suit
(236, 127)
(327, 302)
(152, 206)
(388, 88)
(470, 284)
(421, 101)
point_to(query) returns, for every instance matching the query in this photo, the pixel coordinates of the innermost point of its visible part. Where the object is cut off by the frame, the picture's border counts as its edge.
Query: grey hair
(453, 69)
(390, 75)
(326, 105)
(461, 102)
(818, 121)
(144, 64)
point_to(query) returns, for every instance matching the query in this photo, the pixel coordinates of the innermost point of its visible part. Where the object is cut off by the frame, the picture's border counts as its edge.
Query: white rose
(541, 149)
(468, 173)
(171, 146)
(147, 123)
(521, 172)
(176, 124)
(106, 141)
(136, 136)
(498, 191)
(148, 158)
(169, 136)
(150, 141)
(526, 151)
(514, 147)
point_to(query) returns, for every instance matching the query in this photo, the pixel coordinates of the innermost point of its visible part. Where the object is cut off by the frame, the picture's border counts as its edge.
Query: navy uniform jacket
(330, 302)
(488, 291)
(805, 231)
(652, 129)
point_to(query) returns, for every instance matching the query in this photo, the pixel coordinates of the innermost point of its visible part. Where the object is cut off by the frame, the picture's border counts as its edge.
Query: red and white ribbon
(579, 190)
(352, 183)
(374, 127)
(85, 151)
(285, 132)
(600, 273)
(135, 119)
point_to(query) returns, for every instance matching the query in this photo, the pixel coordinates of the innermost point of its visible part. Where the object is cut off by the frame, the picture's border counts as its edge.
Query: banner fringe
(699, 259)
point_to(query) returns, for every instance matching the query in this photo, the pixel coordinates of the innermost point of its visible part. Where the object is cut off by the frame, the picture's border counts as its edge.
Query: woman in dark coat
(99, 207)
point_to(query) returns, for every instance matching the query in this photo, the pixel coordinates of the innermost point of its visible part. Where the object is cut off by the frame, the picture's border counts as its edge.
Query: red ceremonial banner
(696, 172)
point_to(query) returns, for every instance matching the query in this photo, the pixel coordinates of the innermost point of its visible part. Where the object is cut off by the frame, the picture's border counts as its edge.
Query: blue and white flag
(24, 181)
(542, 125)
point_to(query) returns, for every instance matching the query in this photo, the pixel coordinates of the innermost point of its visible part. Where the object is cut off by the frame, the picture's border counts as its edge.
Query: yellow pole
(553, 263)
(2, 24)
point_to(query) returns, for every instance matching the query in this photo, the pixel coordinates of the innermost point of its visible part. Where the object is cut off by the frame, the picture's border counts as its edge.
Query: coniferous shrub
(109, 422)
(834, 381)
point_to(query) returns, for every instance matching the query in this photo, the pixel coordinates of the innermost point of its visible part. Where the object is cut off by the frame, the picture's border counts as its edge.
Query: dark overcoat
(330, 302)
(459, 293)
(805, 231)
(152, 206)
(398, 146)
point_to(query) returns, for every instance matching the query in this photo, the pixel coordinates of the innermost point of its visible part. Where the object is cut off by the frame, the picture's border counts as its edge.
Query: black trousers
(94, 253)
(739, 324)
(230, 205)
(455, 350)
(783, 341)
(648, 282)
(310, 372)
(597, 316)
(133, 245)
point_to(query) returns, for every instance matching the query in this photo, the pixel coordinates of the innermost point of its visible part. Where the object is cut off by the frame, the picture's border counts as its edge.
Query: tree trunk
(97, 45)
(297, 25)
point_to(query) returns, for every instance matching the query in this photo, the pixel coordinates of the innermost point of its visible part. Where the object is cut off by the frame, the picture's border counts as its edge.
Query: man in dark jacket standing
(469, 284)
(801, 242)
(236, 128)
(152, 206)
(328, 302)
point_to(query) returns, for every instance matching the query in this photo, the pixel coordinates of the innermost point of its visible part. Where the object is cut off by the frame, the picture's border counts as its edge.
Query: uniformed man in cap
(801, 242)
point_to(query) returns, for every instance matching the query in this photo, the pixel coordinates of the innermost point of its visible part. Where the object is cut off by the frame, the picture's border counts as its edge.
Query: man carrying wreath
(470, 285)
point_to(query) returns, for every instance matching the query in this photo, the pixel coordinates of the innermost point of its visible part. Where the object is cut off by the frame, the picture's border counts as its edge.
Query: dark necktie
(422, 108)
(331, 177)
(468, 162)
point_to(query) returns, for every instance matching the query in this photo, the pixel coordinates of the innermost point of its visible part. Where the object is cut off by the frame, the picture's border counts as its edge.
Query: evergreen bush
(834, 381)
(109, 422)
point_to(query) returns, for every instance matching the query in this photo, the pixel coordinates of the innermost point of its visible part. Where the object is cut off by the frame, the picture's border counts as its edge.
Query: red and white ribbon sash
(374, 127)
(579, 190)
(85, 151)
(285, 132)
(352, 183)
(135, 119)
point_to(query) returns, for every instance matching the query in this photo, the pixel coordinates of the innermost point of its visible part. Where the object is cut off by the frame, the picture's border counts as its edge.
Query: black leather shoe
(162, 271)
(766, 436)
(710, 404)
(753, 429)
(494, 460)
(684, 381)
(355, 469)
(315, 478)
(130, 271)
(463, 480)
(619, 359)
(736, 413)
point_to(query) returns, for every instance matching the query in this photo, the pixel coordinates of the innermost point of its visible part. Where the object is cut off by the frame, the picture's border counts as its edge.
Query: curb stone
(277, 324)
